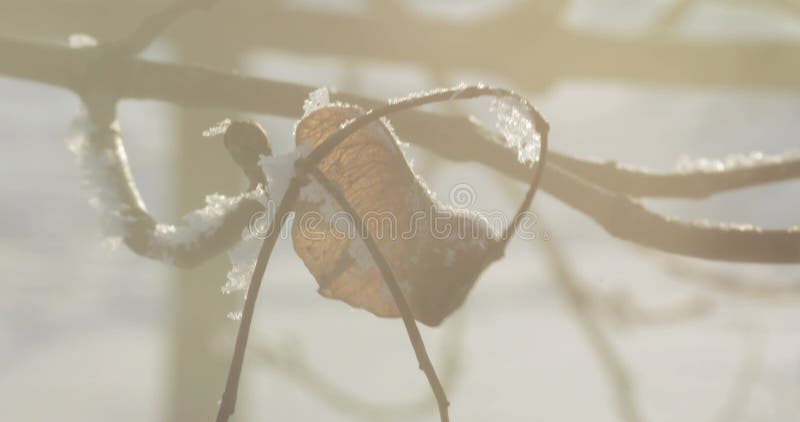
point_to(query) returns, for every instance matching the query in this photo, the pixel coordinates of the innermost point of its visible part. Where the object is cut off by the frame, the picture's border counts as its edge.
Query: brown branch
(454, 138)
(638, 182)
(402, 305)
(533, 53)
(625, 219)
(509, 45)
(228, 404)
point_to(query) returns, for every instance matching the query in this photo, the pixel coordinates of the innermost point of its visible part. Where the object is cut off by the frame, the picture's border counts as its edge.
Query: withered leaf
(435, 252)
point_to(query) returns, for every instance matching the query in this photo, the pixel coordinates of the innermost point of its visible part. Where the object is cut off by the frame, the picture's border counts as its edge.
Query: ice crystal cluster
(687, 164)
(316, 100)
(279, 170)
(217, 129)
(243, 259)
(100, 161)
(204, 221)
(516, 125)
(80, 40)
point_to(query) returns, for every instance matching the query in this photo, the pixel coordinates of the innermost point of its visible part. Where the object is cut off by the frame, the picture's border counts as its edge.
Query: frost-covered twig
(569, 287)
(628, 220)
(204, 233)
(692, 179)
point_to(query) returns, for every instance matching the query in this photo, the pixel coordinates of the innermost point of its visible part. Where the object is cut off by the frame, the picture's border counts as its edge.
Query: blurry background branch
(288, 357)
(511, 44)
(612, 363)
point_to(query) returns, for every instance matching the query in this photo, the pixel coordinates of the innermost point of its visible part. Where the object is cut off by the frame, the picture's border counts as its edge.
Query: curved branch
(291, 362)
(205, 232)
(625, 219)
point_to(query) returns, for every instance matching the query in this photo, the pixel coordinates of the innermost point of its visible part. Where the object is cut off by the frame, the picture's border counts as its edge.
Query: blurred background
(88, 333)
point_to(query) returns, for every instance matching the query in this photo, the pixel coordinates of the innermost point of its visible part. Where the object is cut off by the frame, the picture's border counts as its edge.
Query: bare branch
(402, 305)
(625, 219)
(152, 26)
(291, 362)
(624, 309)
(455, 138)
(736, 284)
(228, 404)
(611, 361)
(197, 86)
(698, 183)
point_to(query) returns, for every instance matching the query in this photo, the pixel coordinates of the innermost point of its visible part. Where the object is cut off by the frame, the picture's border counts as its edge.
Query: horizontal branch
(604, 198)
(510, 44)
(626, 219)
(452, 137)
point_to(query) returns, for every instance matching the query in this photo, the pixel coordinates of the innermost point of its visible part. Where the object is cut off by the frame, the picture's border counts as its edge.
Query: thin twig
(228, 404)
(624, 309)
(301, 372)
(733, 283)
(402, 305)
(308, 164)
(639, 182)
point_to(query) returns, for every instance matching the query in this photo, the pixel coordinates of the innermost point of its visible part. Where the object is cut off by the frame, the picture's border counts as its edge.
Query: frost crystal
(687, 164)
(243, 258)
(317, 99)
(217, 129)
(516, 126)
(279, 171)
(79, 40)
(458, 89)
(99, 165)
(204, 220)
(314, 193)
